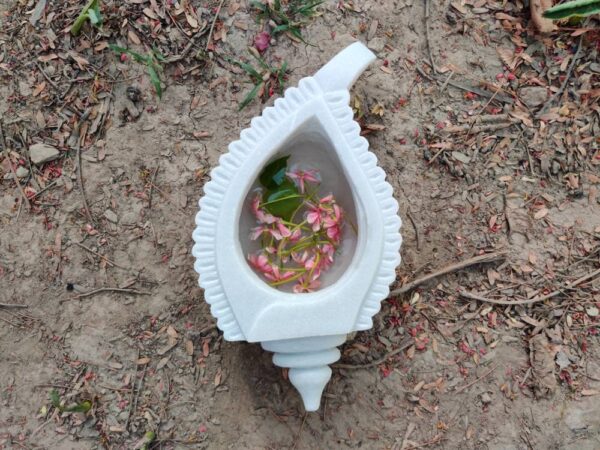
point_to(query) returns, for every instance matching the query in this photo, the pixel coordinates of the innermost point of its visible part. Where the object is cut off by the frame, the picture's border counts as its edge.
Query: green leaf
(54, 398)
(96, 8)
(273, 175)
(83, 407)
(258, 5)
(94, 18)
(280, 28)
(251, 95)
(577, 8)
(155, 80)
(139, 58)
(283, 200)
(249, 69)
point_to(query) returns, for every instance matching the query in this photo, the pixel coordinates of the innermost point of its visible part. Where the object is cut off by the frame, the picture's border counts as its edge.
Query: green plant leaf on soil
(259, 5)
(155, 80)
(251, 95)
(577, 8)
(138, 58)
(280, 28)
(94, 18)
(83, 407)
(273, 175)
(148, 438)
(249, 70)
(92, 6)
(281, 76)
(283, 200)
(54, 398)
(309, 9)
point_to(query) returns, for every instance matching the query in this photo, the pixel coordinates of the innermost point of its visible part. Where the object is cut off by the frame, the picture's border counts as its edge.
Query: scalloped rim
(243, 149)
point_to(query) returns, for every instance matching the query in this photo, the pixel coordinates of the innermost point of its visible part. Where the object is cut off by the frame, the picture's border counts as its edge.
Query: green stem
(287, 280)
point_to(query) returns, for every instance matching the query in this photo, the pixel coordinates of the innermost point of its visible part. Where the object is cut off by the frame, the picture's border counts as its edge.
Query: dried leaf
(541, 214)
(189, 347)
(133, 37)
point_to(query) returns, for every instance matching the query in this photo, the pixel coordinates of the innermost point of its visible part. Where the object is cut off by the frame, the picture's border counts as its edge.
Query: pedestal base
(308, 360)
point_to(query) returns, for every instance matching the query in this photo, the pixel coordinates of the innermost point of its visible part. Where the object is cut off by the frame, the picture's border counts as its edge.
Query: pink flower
(300, 176)
(258, 231)
(314, 216)
(283, 230)
(276, 276)
(260, 262)
(261, 215)
(327, 252)
(296, 235)
(304, 286)
(327, 199)
(334, 219)
(334, 233)
(262, 41)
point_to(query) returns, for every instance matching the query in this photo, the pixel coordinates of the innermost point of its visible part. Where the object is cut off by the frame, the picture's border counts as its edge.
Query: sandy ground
(156, 362)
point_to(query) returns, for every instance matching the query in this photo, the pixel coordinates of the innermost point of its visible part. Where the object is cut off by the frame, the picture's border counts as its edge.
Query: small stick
(133, 397)
(112, 263)
(468, 385)
(44, 190)
(106, 289)
(79, 172)
(187, 48)
(12, 305)
(563, 86)
(212, 26)
(433, 66)
(414, 224)
(9, 322)
(54, 85)
(12, 169)
(481, 259)
(482, 109)
(575, 283)
(468, 88)
(152, 187)
(381, 360)
(297, 440)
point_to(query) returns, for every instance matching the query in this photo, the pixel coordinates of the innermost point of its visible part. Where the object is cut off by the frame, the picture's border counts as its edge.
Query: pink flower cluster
(301, 249)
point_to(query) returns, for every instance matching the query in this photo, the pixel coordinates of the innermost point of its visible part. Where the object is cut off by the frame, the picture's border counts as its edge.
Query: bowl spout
(308, 360)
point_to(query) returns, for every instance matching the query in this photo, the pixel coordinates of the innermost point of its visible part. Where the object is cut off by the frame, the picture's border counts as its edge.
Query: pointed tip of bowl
(310, 383)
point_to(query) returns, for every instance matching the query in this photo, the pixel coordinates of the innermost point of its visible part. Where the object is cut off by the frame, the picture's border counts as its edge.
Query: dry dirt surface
(488, 133)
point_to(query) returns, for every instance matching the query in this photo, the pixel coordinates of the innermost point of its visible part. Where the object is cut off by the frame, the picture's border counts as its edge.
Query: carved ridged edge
(240, 151)
(386, 272)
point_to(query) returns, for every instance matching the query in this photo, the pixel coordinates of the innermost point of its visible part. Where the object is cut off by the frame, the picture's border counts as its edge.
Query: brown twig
(212, 26)
(414, 224)
(108, 261)
(187, 48)
(297, 440)
(76, 131)
(134, 392)
(468, 385)
(106, 289)
(533, 300)
(481, 259)
(52, 83)
(9, 322)
(375, 363)
(12, 169)
(12, 305)
(427, 38)
(152, 187)
(563, 86)
(468, 88)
